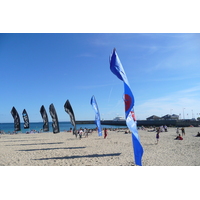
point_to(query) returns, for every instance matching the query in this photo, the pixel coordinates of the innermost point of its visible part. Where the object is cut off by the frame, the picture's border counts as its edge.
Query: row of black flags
(52, 111)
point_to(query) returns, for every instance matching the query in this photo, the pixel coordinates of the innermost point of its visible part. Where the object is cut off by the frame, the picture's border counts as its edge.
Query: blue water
(37, 126)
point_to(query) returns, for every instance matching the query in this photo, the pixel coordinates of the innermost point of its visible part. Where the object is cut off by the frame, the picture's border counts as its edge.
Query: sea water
(38, 126)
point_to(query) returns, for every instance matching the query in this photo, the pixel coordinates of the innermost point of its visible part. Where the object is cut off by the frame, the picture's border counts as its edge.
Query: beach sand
(63, 149)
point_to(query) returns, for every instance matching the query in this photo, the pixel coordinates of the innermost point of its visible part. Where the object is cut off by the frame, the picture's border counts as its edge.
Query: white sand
(63, 149)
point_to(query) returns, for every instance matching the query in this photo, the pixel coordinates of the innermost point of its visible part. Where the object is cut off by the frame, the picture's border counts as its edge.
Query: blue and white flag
(117, 69)
(97, 115)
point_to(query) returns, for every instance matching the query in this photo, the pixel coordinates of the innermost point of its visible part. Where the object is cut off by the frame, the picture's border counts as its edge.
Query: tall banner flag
(45, 119)
(55, 124)
(117, 69)
(16, 118)
(69, 110)
(97, 115)
(26, 119)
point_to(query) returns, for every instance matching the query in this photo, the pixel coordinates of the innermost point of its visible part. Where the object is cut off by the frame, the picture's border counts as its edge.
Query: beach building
(170, 117)
(153, 117)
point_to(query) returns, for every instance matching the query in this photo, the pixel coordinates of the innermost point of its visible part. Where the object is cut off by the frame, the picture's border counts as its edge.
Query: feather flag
(97, 115)
(26, 119)
(16, 118)
(55, 124)
(45, 119)
(117, 69)
(69, 110)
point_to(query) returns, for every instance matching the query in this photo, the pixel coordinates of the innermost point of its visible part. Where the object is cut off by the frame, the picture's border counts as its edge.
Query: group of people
(85, 132)
(179, 137)
(82, 132)
(164, 128)
(161, 129)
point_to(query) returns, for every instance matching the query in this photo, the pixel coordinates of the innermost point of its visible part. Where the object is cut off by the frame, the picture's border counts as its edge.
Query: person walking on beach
(86, 132)
(76, 133)
(183, 131)
(105, 133)
(80, 133)
(157, 135)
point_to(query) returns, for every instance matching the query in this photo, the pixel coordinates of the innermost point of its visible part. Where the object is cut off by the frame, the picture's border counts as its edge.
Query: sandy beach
(63, 149)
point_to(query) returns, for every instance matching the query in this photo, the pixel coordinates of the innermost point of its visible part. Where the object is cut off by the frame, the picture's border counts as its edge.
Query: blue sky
(39, 69)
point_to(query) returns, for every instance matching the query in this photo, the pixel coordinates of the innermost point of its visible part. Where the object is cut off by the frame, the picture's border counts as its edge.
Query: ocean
(37, 126)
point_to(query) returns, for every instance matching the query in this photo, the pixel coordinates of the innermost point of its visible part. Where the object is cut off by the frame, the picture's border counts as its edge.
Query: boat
(118, 119)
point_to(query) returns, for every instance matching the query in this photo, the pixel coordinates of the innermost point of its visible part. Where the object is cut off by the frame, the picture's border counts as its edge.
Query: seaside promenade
(172, 123)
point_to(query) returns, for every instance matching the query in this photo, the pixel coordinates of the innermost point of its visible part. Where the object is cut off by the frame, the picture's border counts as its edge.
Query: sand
(63, 149)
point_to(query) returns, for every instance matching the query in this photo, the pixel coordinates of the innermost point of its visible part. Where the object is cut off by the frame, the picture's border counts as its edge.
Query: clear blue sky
(39, 69)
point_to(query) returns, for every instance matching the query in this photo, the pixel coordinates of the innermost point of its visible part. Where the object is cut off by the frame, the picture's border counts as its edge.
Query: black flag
(16, 119)
(45, 118)
(54, 116)
(69, 110)
(26, 119)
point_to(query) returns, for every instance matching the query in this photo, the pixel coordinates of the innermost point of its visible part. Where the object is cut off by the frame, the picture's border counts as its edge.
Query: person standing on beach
(157, 135)
(86, 132)
(105, 133)
(183, 131)
(80, 133)
(76, 133)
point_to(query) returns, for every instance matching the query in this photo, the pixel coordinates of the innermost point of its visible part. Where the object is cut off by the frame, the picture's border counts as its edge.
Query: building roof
(170, 116)
(153, 117)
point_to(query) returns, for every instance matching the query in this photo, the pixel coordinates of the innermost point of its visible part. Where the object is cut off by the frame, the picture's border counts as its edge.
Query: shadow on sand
(36, 144)
(46, 149)
(85, 156)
